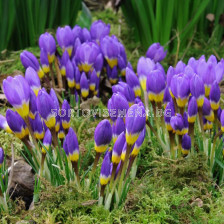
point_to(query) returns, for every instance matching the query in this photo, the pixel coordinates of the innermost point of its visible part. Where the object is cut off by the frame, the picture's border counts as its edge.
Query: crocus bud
(124, 152)
(177, 123)
(117, 128)
(214, 96)
(192, 109)
(99, 30)
(33, 80)
(156, 52)
(84, 85)
(102, 136)
(207, 125)
(29, 60)
(207, 111)
(16, 124)
(63, 62)
(155, 86)
(98, 65)
(65, 115)
(138, 143)
(207, 72)
(186, 144)
(76, 31)
(219, 111)
(180, 67)
(1, 156)
(167, 98)
(85, 35)
(65, 38)
(70, 74)
(61, 132)
(32, 105)
(197, 89)
(144, 66)
(37, 126)
(180, 88)
(117, 106)
(45, 106)
(72, 145)
(17, 92)
(55, 109)
(222, 120)
(44, 61)
(169, 112)
(105, 172)
(117, 150)
(133, 82)
(219, 71)
(4, 125)
(47, 43)
(47, 141)
(186, 125)
(77, 78)
(134, 123)
(93, 80)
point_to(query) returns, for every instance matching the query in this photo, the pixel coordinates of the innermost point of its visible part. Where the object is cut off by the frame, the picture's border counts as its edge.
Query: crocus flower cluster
(85, 56)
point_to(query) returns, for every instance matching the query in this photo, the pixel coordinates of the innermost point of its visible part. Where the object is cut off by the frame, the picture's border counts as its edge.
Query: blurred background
(175, 24)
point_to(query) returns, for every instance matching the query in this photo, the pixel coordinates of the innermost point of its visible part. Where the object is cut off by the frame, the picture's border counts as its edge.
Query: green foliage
(22, 21)
(160, 20)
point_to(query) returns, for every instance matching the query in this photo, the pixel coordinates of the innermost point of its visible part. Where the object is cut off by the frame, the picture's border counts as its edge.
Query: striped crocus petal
(138, 143)
(4, 125)
(186, 144)
(192, 110)
(105, 172)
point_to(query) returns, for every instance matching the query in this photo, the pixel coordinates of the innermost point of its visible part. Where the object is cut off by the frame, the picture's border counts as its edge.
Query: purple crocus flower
(192, 62)
(99, 30)
(65, 38)
(63, 62)
(180, 88)
(112, 74)
(86, 55)
(1, 156)
(77, 30)
(117, 106)
(70, 74)
(186, 124)
(77, 78)
(33, 105)
(44, 61)
(219, 71)
(144, 66)
(84, 86)
(215, 96)
(105, 172)
(180, 67)
(207, 111)
(138, 143)
(98, 65)
(177, 123)
(37, 126)
(133, 82)
(111, 49)
(47, 43)
(93, 80)
(117, 150)
(56, 108)
(72, 145)
(47, 141)
(65, 117)
(156, 52)
(186, 144)
(134, 123)
(169, 112)
(192, 109)
(33, 80)
(167, 97)
(117, 128)
(85, 35)
(46, 108)
(102, 136)
(155, 86)
(197, 89)
(222, 120)
(16, 124)
(61, 132)
(17, 92)
(4, 125)
(207, 73)
(29, 60)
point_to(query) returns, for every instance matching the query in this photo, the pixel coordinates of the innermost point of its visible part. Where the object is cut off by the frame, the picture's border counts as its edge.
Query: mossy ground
(165, 191)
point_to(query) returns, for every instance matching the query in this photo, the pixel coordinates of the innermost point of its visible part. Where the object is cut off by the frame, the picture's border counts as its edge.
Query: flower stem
(113, 174)
(76, 170)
